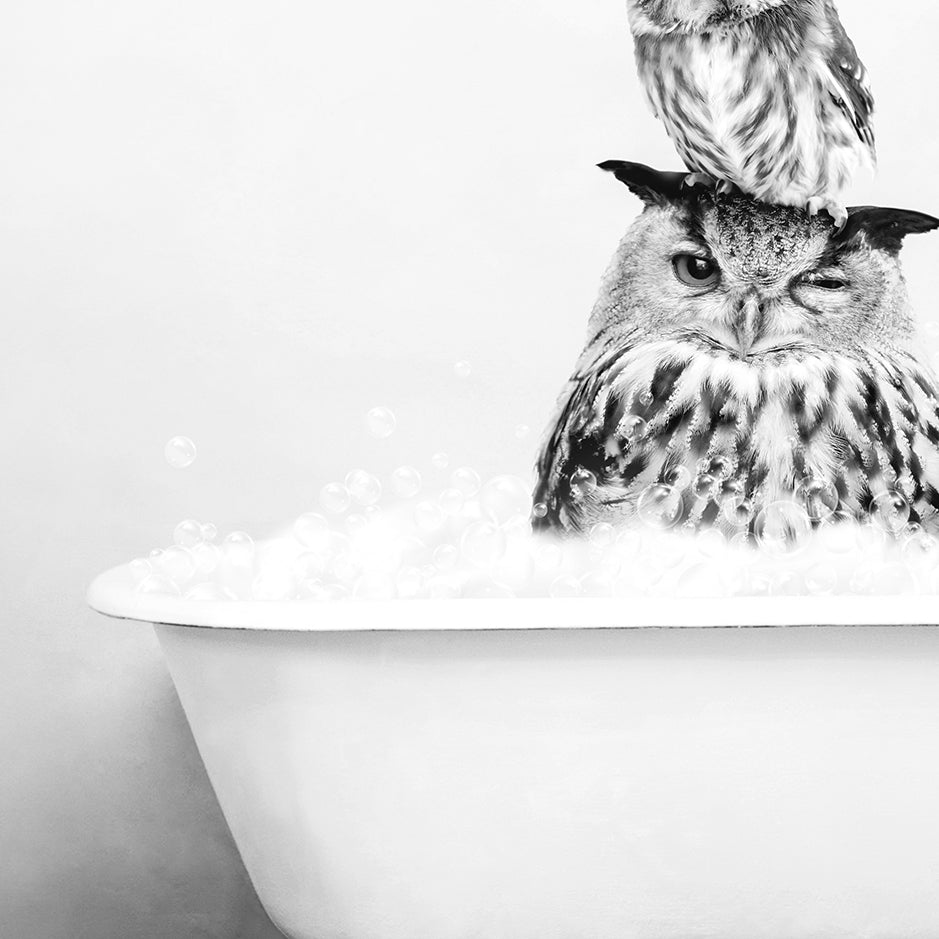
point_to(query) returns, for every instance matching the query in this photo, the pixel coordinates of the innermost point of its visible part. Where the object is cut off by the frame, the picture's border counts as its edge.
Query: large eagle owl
(769, 95)
(741, 354)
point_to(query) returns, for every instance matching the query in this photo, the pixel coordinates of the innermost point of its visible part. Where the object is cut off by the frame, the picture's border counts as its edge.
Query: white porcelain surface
(574, 783)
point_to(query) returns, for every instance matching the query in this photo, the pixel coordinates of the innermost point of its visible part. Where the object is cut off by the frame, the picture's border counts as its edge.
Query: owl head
(694, 15)
(755, 339)
(756, 284)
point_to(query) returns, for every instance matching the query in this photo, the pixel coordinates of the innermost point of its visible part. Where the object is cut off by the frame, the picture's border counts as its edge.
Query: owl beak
(748, 327)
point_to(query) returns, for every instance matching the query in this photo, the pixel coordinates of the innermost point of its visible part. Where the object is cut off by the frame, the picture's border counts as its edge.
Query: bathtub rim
(113, 594)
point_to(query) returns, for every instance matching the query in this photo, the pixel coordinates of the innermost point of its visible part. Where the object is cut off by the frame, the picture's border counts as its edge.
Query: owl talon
(838, 213)
(699, 179)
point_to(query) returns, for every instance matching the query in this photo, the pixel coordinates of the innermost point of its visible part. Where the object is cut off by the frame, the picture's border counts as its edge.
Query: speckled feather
(767, 94)
(844, 398)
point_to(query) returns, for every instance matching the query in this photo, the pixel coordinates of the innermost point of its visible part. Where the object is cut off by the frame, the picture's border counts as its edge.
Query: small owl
(740, 355)
(767, 95)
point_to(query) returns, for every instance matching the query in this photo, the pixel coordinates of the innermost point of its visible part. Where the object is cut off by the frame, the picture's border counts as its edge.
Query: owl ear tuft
(652, 186)
(884, 228)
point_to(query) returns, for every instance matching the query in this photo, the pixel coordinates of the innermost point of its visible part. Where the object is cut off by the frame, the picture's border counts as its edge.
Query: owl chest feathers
(752, 112)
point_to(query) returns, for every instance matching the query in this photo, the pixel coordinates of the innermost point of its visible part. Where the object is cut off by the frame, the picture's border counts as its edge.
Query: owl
(742, 355)
(767, 95)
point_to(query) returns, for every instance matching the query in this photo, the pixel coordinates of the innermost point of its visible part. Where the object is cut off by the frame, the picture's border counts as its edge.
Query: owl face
(695, 15)
(757, 285)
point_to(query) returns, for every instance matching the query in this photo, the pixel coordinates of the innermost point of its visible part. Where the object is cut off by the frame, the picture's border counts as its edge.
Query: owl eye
(824, 282)
(695, 271)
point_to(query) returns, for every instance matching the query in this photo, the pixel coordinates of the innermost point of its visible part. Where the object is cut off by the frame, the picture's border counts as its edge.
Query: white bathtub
(521, 769)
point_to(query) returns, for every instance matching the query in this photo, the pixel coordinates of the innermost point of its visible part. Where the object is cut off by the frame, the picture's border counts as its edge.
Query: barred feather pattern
(635, 413)
(775, 102)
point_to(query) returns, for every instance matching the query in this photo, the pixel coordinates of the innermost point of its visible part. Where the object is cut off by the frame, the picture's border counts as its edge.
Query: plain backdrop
(249, 223)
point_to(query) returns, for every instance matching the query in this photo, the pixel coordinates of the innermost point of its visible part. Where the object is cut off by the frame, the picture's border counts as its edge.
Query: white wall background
(249, 223)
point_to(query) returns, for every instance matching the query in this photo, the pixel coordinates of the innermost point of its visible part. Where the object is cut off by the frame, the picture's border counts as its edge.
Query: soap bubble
(483, 543)
(582, 481)
(632, 427)
(737, 511)
(312, 530)
(660, 506)
(406, 482)
(355, 522)
(539, 510)
(177, 563)
(678, 477)
(566, 586)
(706, 486)
(429, 517)
(602, 535)
(440, 460)
(891, 511)
(646, 398)
(238, 549)
(158, 583)
(817, 496)
(446, 556)
(466, 480)
(718, 466)
(180, 452)
(363, 486)
(504, 497)
(451, 501)
(782, 528)
(381, 422)
(209, 531)
(209, 591)
(188, 533)
(463, 369)
(335, 498)
(521, 431)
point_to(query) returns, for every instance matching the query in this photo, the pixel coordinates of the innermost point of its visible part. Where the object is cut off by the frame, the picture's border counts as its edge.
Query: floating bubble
(660, 506)
(463, 369)
(467, 480)
(582, 482)
(782, 528)
(737, 511)
(187, 533)
(539, 510)
(335, 498)
(522, 431)
(632, 427)
(646, 398)
(440, 460)
(363, 486)
(406, 482)
(504, 497)
(891, 511)
(180, 452)
(451, 501)
(483, 543)
(238, 549)
(381, 422)
(817, 496)
(209, 531)
(312, 530)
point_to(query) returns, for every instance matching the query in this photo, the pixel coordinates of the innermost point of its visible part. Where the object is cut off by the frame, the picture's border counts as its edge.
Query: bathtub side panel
(550, 785)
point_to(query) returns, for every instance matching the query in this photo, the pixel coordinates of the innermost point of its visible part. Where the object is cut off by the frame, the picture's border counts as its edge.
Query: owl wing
(850, 88)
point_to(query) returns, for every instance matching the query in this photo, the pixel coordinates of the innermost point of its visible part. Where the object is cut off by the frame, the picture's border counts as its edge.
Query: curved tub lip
(112, 593)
